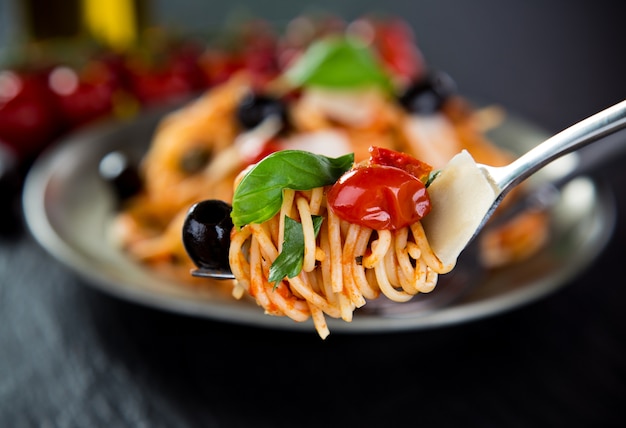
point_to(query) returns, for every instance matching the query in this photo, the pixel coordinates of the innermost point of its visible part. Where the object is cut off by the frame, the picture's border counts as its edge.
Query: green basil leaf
(338, 62)
(289, 261)
(259, 195)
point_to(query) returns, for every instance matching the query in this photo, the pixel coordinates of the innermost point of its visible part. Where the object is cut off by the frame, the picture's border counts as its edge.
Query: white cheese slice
(460, 196)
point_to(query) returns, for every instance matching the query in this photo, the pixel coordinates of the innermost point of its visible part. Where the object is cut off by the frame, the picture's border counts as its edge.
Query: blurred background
(552, 62)
(82, 60)
(73, 357)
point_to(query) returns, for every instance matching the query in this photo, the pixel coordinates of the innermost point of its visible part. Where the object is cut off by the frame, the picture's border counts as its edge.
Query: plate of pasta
(335, 98)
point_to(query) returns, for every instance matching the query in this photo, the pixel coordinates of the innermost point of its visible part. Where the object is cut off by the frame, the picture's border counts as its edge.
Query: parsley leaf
(289, 261)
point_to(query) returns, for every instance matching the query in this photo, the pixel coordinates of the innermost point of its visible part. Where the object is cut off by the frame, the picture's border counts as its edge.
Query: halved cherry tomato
(415, 167)
(379, 197)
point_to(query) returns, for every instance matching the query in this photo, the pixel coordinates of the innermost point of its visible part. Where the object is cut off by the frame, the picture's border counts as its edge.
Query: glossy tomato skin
(384, 156)
(379, 197)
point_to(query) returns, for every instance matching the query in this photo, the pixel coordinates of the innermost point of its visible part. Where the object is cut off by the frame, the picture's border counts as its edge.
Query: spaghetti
(345, 265)
(346, 258)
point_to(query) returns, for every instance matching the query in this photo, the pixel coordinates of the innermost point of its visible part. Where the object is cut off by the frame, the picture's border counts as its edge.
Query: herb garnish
(289, 261)
(259, 195)
(338, 62)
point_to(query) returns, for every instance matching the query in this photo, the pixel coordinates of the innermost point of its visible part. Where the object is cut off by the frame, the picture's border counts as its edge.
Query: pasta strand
(342, 267)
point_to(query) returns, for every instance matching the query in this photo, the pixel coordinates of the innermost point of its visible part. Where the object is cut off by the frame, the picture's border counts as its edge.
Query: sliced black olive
(122, 172)
(195, 160)
(427, 95)
(254, 108)
(206, 234)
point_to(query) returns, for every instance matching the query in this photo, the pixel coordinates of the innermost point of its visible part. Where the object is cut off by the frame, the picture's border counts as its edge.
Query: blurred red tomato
(158, 85)
(81, 101)
(394, 42)
(28, 116)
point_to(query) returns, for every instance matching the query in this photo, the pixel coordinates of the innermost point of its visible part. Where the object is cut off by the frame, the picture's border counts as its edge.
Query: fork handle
(587, 131)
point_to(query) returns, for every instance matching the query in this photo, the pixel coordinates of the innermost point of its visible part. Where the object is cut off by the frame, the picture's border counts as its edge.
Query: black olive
(195, 160)
(206, 234)
(427, 95)
(254, 108)
(118, 169)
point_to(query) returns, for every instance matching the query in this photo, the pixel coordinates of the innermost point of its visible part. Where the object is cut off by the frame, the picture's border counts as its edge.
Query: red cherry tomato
(154, 86)
(28, 115)
(395, 42)
(79, 101)
(379, 197)
(415, 167)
